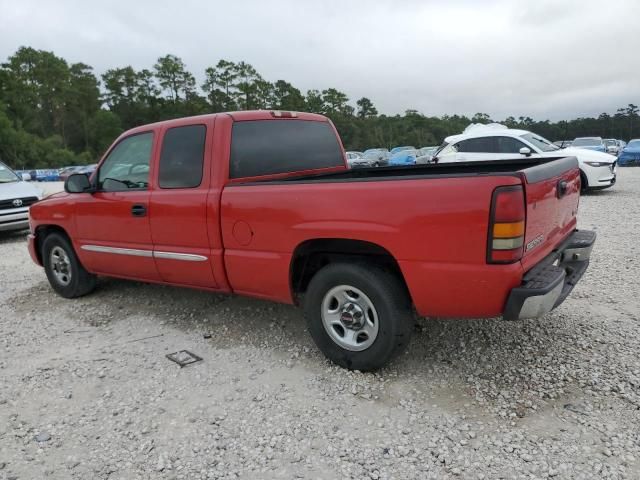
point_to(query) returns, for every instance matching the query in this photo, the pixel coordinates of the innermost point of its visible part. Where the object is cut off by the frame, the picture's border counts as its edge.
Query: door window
(182, 157)
(127, 166)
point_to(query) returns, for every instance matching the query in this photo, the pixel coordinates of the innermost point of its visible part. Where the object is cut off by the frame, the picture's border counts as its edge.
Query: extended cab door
(179, 209)
(112, 224)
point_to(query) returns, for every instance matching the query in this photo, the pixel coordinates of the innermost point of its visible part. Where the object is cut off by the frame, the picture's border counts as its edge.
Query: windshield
(7, 175)
(634, 144)
(586, 142)
(539, 142)
(610, 142)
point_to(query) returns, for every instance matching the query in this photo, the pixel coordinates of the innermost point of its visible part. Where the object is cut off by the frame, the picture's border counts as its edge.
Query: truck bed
(534, 169)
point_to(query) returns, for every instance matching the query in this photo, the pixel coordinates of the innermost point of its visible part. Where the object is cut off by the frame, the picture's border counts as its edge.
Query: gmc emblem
(535, 242)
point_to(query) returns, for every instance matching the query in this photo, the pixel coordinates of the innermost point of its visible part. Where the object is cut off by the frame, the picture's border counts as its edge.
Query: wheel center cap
(352, 316)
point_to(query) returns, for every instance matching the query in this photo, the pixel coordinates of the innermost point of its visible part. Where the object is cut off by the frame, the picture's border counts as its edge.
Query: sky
(547, 59)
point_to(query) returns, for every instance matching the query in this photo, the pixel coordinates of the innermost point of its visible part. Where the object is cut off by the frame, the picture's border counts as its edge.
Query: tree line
(55, 113)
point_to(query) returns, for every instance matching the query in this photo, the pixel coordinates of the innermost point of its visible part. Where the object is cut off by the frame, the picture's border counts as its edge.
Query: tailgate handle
(561, 189)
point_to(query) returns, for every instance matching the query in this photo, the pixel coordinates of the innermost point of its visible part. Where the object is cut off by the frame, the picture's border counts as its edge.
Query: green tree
(287, 97)
(315, 103)
(335, 101)
(173, 77)
(219, 86)
(366, 108)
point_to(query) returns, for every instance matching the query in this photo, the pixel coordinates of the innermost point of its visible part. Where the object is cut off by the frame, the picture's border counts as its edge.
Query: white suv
(16, 196)
(485, 143)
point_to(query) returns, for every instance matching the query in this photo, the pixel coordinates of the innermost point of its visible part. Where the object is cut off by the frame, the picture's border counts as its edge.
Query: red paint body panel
(547, 216)
(435, 227)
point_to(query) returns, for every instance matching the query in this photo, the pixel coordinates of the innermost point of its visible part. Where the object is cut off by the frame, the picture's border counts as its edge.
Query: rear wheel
(358, 315)
(64, 271)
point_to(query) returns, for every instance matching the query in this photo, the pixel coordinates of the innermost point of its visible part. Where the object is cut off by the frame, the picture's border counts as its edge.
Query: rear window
(182, 157)
(265, 147)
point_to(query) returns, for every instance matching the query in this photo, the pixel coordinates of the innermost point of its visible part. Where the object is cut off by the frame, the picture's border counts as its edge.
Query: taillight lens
(506, 225)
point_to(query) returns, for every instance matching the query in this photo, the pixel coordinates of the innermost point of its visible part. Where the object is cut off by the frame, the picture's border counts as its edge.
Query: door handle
(138, 210)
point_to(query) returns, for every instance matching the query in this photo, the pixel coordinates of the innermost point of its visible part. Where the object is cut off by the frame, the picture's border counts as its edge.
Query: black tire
(392, 304)
(78, 282)
(584, 184)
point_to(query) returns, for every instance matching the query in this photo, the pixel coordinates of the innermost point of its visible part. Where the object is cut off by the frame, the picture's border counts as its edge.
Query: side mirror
(77, 183)
(526, 151)
(26, 177)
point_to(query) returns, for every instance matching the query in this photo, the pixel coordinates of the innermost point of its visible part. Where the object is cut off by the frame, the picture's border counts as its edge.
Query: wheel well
(310, 256)
(42, 232)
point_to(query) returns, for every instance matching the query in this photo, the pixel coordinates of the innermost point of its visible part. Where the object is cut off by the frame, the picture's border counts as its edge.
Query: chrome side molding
(119, 251)
(186, 257)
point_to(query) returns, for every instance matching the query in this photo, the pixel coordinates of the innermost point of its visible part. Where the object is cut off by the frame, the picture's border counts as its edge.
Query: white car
(16, 195)
(496, 142)
(357, 159)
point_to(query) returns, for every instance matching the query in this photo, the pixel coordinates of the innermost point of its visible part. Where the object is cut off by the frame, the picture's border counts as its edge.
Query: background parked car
(597, 169)
(630, 154)
(65, 172)
(612, 146)
(380, 156)
(404, 157)
(395, 150)
(16, 196)
(357, 159)
(590, 143)
(88, 169)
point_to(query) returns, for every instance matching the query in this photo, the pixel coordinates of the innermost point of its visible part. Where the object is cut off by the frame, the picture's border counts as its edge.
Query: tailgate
(552, 192)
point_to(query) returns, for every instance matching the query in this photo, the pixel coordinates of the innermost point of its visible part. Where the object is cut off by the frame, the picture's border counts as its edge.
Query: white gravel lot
(87, 393)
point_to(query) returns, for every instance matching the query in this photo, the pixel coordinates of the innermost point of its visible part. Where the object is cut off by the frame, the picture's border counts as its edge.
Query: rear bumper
(546, 285)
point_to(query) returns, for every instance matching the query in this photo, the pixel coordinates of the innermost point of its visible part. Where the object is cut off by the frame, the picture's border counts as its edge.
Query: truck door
(113, 232)
(179, 208)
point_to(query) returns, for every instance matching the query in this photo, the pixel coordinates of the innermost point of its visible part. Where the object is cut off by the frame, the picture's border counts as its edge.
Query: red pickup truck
(262, 204)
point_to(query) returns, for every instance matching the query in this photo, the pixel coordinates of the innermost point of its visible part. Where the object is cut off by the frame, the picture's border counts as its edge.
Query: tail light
(506, 225)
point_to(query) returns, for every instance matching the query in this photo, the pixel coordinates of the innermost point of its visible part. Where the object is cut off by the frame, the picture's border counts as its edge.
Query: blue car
(395, 150)
(590, 143)
(404, 157)
(630, 154)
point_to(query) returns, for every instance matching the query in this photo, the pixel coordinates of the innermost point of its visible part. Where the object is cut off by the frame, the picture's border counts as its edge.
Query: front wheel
(64, 271)
(359, 316)
(584, 183)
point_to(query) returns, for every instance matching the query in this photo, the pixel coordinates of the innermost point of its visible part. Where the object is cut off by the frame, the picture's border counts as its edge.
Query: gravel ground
(87, 393)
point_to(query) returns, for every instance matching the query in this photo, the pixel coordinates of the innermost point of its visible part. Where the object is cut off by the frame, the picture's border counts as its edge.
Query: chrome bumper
(546, 285)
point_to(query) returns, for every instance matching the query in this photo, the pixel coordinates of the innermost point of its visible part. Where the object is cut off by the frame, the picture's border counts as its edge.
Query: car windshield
(610, 142)
(634, 144)
(7, 175)
(586, 142)
(539, 142)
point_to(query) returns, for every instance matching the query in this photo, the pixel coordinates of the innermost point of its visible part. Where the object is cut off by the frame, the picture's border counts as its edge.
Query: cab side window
(182, 157)
(127, 166)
